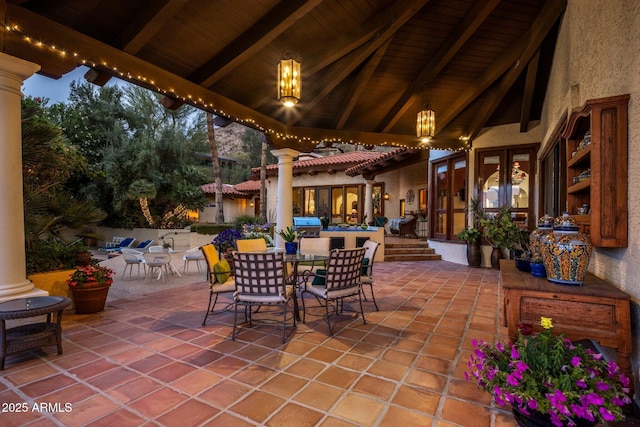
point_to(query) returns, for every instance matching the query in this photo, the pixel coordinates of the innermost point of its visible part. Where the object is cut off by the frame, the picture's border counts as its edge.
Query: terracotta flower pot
(89, 300)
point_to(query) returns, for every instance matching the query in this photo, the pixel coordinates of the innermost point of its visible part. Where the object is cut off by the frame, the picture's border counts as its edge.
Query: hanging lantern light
(426, 124)
(289, 80)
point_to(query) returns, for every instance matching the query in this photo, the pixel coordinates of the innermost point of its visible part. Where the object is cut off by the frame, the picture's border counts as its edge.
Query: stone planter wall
(54, 282)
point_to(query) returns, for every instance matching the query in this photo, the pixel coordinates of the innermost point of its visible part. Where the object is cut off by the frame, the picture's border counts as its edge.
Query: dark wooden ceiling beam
(253, 39)
(345, 66)
(352, 40)
(498, 93)
(96, 51)
(147, 23)
(378, 168)
(529, 86)
(512, 58)
(358, 87)
(144, 26)
(454, 42)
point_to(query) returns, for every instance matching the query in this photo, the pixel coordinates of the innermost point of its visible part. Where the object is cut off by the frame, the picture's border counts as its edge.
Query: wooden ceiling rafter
(529, 86)
(532, 37)
(138, 32)
(454, 42)
(253, 39)
(358, 87)
(345, 66)
(366, 73)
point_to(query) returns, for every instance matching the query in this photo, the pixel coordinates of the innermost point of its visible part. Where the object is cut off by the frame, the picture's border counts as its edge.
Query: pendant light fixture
(289, 80)
(426, 123)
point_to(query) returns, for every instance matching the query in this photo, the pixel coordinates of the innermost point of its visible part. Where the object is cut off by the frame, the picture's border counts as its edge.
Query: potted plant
(289, 236)
(472, 236)
(550, 380)
(536, 263)
(89, 286)
(501, 232)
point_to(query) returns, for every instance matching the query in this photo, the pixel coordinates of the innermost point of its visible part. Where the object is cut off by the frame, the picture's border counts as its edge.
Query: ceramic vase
(545, 226)
(566, 253)
(496, 256)
(474, 254)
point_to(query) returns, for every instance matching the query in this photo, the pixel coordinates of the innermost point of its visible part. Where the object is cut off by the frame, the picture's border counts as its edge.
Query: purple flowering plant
(550, 375)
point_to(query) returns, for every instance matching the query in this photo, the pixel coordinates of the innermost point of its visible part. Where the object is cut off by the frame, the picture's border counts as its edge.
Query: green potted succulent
(289, 235)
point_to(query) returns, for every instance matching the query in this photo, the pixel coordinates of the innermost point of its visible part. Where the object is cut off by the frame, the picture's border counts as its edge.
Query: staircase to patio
(396, 249)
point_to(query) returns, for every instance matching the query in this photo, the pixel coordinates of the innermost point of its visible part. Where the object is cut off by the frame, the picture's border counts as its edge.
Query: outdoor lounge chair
(261, 280)
(219, 275)
(343, 279)
(144, 245)
(124, 243)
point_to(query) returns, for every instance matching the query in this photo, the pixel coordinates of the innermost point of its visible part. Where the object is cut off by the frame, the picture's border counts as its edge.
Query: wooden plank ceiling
(368, 66)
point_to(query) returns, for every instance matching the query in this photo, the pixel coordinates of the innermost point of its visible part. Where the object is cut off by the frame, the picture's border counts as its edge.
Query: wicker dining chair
(261, 281)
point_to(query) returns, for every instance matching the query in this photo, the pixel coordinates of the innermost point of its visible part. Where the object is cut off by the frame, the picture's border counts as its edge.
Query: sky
(55, 90)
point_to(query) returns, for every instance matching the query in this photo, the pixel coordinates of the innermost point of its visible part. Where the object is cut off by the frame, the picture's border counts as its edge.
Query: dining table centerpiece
(289, 235)
(89, 285)
(548, 380)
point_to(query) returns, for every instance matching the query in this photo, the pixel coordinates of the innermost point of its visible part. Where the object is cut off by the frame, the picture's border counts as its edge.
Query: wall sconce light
(386, 196)
(251, 204)
(289, 80)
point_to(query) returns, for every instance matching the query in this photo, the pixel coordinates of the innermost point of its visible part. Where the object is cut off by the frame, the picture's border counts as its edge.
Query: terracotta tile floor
(148, 361)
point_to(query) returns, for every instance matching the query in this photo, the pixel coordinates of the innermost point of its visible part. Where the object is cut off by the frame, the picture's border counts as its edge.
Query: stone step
(409, 244)
(412, 257)
(404, 250)
(409, 250)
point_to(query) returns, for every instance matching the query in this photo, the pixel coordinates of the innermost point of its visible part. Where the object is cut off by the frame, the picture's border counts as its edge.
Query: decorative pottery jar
(566, 252)
(545, 226)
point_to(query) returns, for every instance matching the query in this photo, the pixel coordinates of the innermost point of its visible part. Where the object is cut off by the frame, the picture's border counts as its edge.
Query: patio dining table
(295, 260)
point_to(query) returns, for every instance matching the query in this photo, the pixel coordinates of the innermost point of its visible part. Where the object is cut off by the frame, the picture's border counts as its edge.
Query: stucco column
(13, 278)
(284, 210)
(368, 201)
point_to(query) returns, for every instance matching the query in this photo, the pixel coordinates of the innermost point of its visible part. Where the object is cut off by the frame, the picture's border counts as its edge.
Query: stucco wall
(397, 183)
(231, 209)
(598, 55)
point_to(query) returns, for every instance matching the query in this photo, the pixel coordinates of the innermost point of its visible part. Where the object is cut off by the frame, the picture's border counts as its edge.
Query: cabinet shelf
(581, 186)
(582, 157)
(605, 192)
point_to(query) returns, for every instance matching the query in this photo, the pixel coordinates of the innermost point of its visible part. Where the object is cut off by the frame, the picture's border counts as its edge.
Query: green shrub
(210, 229)
(243, 220)
(48, 255)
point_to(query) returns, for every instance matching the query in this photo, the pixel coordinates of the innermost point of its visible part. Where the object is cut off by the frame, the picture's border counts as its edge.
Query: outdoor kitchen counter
(352, 234)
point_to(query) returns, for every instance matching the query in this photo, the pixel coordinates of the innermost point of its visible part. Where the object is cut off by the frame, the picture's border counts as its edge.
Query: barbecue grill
(310, 225)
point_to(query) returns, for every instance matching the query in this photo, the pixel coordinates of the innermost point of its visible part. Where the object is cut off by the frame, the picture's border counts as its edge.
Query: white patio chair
(192, 255)
(133, 257)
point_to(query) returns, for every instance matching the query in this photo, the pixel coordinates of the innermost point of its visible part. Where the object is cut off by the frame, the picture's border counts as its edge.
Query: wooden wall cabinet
(605, 190)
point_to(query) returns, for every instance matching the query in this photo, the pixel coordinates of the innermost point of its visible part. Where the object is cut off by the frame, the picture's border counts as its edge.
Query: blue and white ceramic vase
(566, 253)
